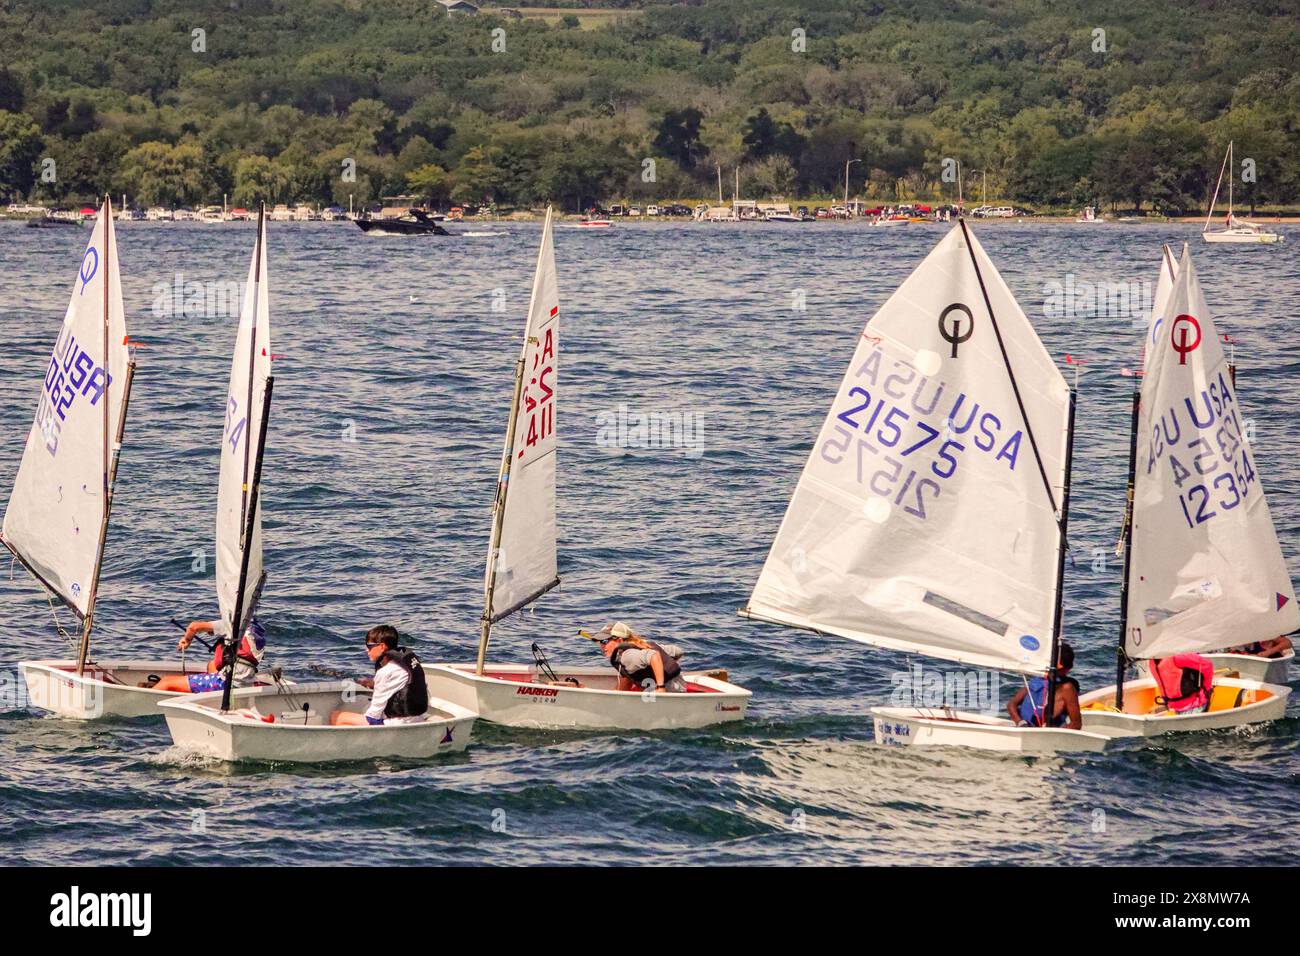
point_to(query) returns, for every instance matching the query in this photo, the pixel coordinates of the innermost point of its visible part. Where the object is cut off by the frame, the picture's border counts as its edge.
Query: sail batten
(923, 520)
(1206, 570)
(239, 553)
(522, 559)
(59, 504)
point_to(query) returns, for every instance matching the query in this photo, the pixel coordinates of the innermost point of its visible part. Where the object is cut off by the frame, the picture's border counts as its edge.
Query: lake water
(390, 406)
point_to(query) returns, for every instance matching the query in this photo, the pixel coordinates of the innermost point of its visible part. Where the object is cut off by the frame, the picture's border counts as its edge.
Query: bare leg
(346, 718)
(177, 683)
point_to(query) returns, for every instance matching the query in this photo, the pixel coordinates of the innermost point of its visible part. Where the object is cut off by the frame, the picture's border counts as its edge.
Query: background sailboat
(522, 566)
(930, 516)
(1235, 230)
(57, 520)
(1203, 567)
(288, 722)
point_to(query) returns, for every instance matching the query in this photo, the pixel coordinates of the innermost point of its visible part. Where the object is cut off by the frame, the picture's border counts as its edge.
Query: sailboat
(1202, 564)
(930, 517)
(57, 521)
(1270, 670)
(523, 565)
(1235, 230)
(281, 721)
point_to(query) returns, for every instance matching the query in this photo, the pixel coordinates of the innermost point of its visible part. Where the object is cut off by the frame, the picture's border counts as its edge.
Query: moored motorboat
(292, 724)
(522, 566)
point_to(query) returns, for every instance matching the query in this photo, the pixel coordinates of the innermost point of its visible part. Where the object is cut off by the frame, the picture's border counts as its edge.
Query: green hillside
(284, 99)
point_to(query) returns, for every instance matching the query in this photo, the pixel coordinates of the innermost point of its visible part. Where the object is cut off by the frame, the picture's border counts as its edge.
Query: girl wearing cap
(252, 647)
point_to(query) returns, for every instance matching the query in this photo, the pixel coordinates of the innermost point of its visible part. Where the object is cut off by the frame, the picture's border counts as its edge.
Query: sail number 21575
(873, 433)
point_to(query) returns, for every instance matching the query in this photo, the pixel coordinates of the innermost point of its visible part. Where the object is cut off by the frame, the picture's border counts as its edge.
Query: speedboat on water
(414, 222)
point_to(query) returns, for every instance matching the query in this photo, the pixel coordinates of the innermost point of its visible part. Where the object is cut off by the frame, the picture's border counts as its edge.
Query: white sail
(60, 494)
(922, 521)
(1206, 569)
(522, 559)
(239, 443)
(1160, 301)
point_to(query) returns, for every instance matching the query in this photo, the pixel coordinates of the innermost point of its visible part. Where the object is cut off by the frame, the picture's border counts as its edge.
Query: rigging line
(63, 632)
(1015, 387)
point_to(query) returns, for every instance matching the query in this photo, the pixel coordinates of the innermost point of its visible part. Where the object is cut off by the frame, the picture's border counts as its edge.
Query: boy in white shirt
(399, 693)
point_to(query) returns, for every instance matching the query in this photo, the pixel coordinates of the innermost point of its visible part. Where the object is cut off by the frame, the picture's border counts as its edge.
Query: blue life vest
(1034, 705)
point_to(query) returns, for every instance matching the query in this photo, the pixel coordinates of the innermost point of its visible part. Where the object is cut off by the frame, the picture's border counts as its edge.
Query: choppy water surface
(390, 406)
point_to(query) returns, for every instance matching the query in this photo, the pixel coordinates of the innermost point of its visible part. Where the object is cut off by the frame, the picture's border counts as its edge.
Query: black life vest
(413, 699)
(671, 667)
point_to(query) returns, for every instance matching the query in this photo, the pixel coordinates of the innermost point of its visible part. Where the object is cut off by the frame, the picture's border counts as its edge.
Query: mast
(109, 458)
(1063, 513)
(1232, 174)
(1015, 386)
(1126, 542)
(1059, 614)
(499, 515)
(1210, 215)
(252, 357)
(231, 647)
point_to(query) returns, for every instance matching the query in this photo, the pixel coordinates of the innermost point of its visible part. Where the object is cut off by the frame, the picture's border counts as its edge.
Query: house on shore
(458, 6)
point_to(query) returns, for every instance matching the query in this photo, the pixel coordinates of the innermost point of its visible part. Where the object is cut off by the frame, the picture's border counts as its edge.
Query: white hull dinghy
(1266, 670)
(1202, 564)
(523, 565)
(584, 698)
(933, 727)
(75, 442)
(105, 688)
(912, 531)
(285, 722)
(1234, 702)
(292, 724)
(1236, 230)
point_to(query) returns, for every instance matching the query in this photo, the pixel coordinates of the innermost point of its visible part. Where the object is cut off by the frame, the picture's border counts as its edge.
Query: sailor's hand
(184, 643)
(367, 682)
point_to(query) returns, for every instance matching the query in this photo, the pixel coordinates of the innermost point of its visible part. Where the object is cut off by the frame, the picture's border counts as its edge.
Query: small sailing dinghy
(56, 524)
(931, 514)
(289, 722)
(522, 566)
(1235, 230)
(1269, 670)
(1202, 564)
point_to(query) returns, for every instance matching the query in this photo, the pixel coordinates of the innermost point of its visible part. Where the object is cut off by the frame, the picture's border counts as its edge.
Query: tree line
(1047, 105)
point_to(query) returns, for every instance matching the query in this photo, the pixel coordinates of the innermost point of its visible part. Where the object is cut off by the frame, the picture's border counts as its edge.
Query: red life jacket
(245, 654)
(1183, 682)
